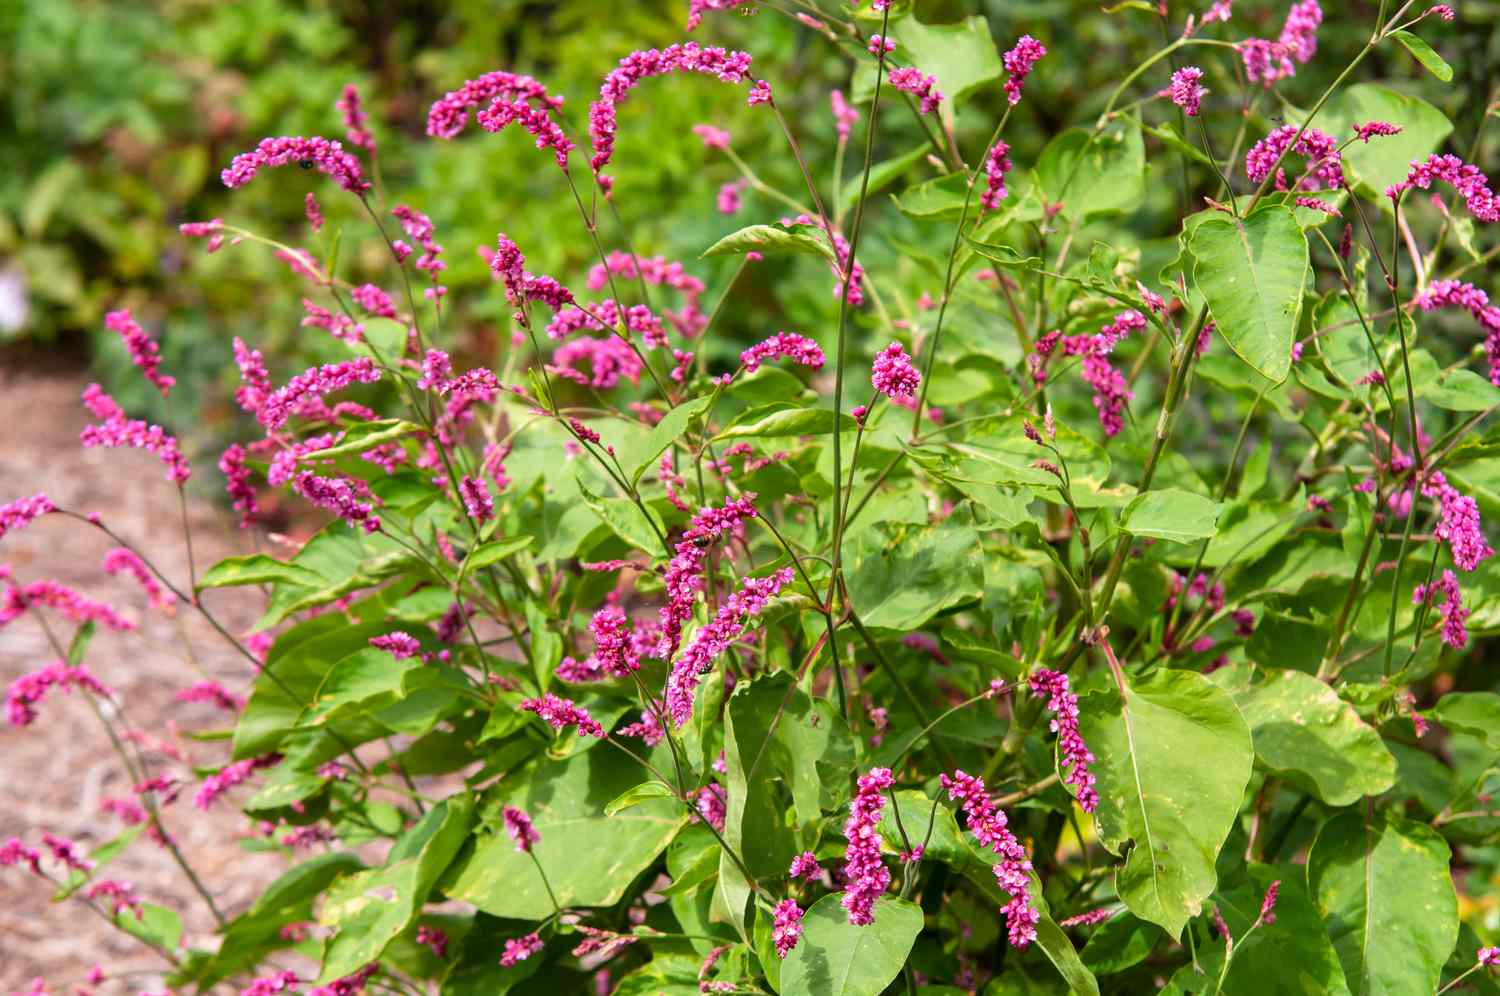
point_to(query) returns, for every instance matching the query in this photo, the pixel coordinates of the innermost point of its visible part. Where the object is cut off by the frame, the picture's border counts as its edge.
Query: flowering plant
(938, 644)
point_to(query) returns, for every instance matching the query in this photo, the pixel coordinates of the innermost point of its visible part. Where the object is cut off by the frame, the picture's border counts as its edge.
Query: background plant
(656, 647)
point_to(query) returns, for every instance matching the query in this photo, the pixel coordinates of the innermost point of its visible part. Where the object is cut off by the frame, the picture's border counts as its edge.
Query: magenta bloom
(536, 120)
(518, 825)
(1185, 90)
(518, 949)
(560, 713)
(865, 875)
(339, 496)
(730, 67)
(996, 165)
(115, 430)
(509, 266)
(1456, 294)
(255, 382)
(399, 645)
(1268, 904)
(230, 776)
(320, 153)
(989, 826)
(212, 692)
(892, 373)
(435, 939)
(1325, 167)
(121, 896)
(23, 511)
(786, 927)
(919, 85)
(613, 645)
(1019, 62)
(142, 348)
(684, 575)
(447, 117)
(1489, 957)
(1465, 179)
(355, 121)
(1064, 707)
(712, 138)
(374, 300)
(1455, 616)
(710, 805)
(59, 598)
(609, 360)
(120, 559)
(797, 348)
(844, 116)
(1088, 919)
(27, 691)
(1459, 523)
(805, 865)
(729, 196)
(1267, 61)
(712, 640)
(1111, 391)
(1371, 129)
(419, 227)
(697, 8)
(314, 383)
(760, 93)
(477, 500)
(237, 483)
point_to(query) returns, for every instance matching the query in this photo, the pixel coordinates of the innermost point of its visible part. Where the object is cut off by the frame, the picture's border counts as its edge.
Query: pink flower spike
(120, 559)
(996, 166)
(1466, 179)
(314, 213)
(1489, 957)
(684, 574)
(1013, 872)
(214, 693)
(142, 348)
(448, 116)
(1455, 616)
(880, 43)
(355, 121)
(715, 638)
(713, 138)
(805, 865)
(1185, 91)
(1371, 129)
(797, 348)
(1268, 905)
(23, 511)
(518, 949)
(115, 431)
(28, 691)
(560, 713)
(1325, 168)
(518, 825)
(1456, 294)
(760, 93)
(477, 500)
(1441, 10)
(786, 927)
(892, 373)
(536, 120)
(865, 875)
(844, 115)
(1019, 62)
(920, 85)
(314, 383)
(320, 153)
(401, 646)
(1072, 751)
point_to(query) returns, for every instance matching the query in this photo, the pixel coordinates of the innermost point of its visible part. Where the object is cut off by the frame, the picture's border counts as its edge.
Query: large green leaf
(904, 581)
(1093, 174)
(1307, 735)
(1476, 713)
(1251, 271)
(371, 907)
(835, 958)
(1383, 888)
(1174, 756)
(1171, 514)
(791, 422)
(1380, 162)
(672, 427)
(590, 858)
(768, 240)
(255, 568)
(1290, 955)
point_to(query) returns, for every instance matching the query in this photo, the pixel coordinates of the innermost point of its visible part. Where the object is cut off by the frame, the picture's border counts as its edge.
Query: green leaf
(361, 676)
(590, 858)
(837, 959)
(882, 175)
(1291, 955)
(256, 568)
(1462, 391)
(1121, 942)
(1476, 713)
(644, 792)
(1381, 162)
(493, 552)
(367, 435)
(768, 240)
(791, 422)
(1171, 514)
(1423, 53)
(901, 578)
(477, 970)
(1093, 174)
(961, 55)
(625, 519)
(1064, 957)
(78, 647)
(1005, 257)
(156, 925)
(1251, 271)
(1384, 890)
(672, 427)
(384, 339)
(942, 198)
(370, 908)
(1174, 757)
(1307, 735)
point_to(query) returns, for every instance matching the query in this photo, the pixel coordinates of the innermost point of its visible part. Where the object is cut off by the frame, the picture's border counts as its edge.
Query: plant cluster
(1052, 612)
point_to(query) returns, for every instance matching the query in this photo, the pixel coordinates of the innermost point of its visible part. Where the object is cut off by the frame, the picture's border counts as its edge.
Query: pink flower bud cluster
(142, 348)
(448, 117)
(518, 825)
(509, 266)
(1070, 746)
(315, 383)
(996, 166)
(336, 324)
(760, 93)
(419, 228)
(805, 865)
(401, 646)
(255, 382)
(865, 875)
(536, 120)
(712, 640)
(435, 939)
(65, 852)
(1013, 872)
(1267, 61)
(560, 713)
(518, 949)
(23, 511)
(710, 805)
(212, 692)
(613, 645)
(712, 137)
(730, 67)
(476, 498)
(339, 496)
(683, 577)
(355, 119)
(1457, 294)
(797, 348)
(1019, 62)
(115, 430)
(1467, 180)
(609, 360)
(28, 691)
(320, 153)
(892, 373)
(121, 896)
(121, 559)
(844, 115)
(911, 80)
(1372, 129)
(1458, 523)
(786, 927)
(230, 776)
(1111, 391)
(77, 607)
(1324, 164)
(1186, 91)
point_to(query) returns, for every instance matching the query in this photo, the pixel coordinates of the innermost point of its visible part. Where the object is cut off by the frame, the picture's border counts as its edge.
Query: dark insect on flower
(700, 541)
(305, 163)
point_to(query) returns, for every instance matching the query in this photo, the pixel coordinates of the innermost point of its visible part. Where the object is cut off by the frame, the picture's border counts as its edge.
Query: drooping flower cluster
(229, 776)
(797, 348)
(805, 865)
(232, 463)
(115, 430)
(1324, 164)
(1075, 753)
(844, 115)
(786, 927)
(547, 132)
(560, 713)
(730, 67)
(609, 360)
(989, 825)
(1186, 90)
(996, 165)
(341, 496)
(1458, 523)
(842, 265)
(892, 373)
(79, 608)
(613, 644)
(27, 691)
(1111, 391)
(683, 578)
(1268, 61)
(400, 645)
(419, 228)
(1470, 183)
(326, 156)
(143, 350)
(23, 511)
(448, 116)
(509, 266)
(1457, 294)
(1372, 129)
(477, 500)
(121, 559)
(356, 121)
(712, 138)
(1019, 62)
(518, 825)
(314, 383)
(213, 693)
(711, 805)
(911, 80)
(712, 640)
(518, 949)
(865, 876)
